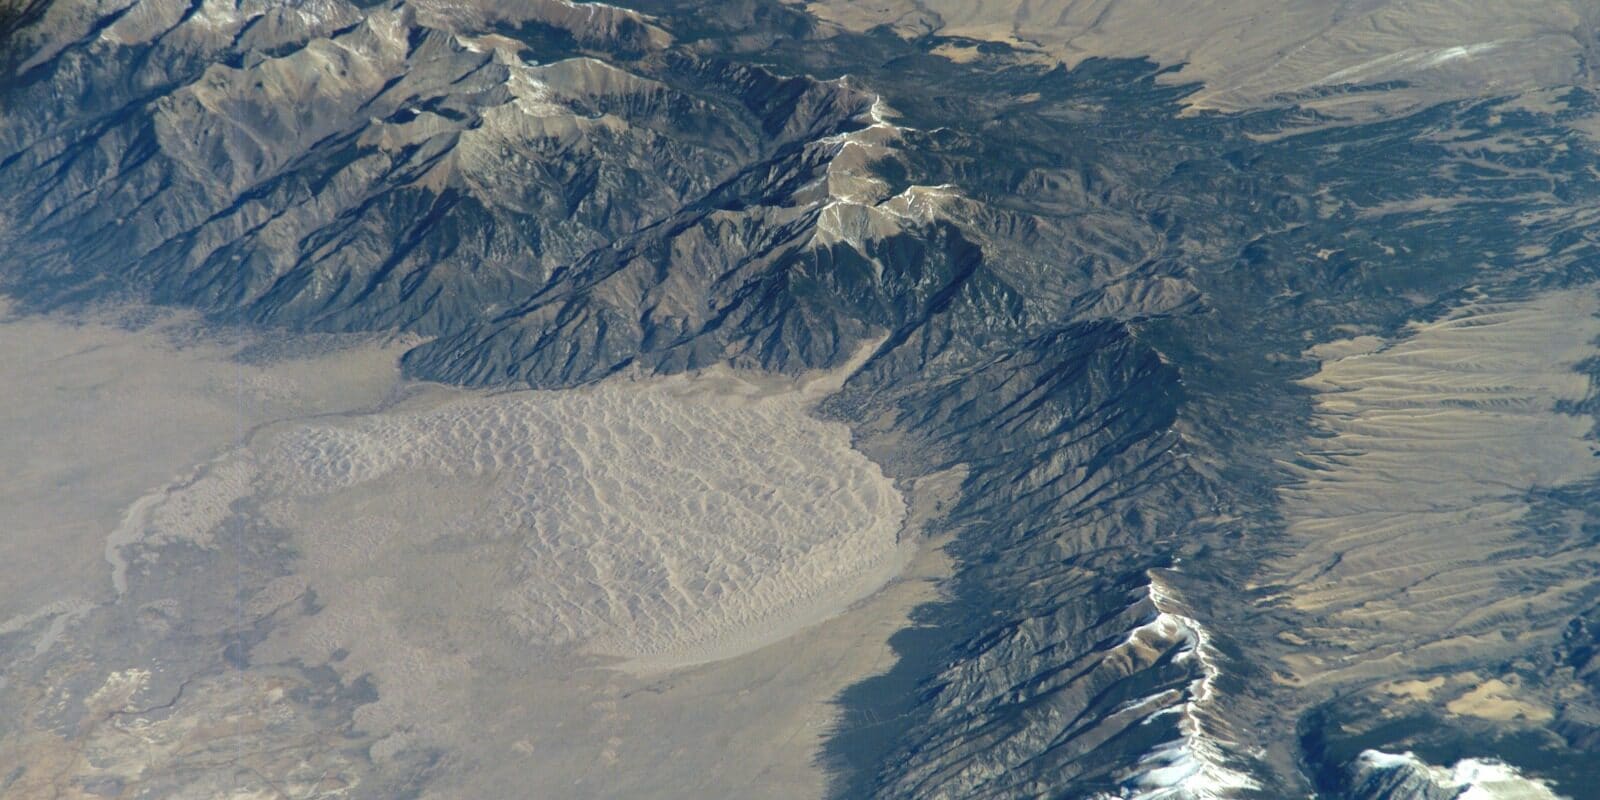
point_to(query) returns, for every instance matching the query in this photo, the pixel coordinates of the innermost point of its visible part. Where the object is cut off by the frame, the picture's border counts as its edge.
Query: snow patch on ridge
(857, 206)
(1195, 765)
(1471, 778)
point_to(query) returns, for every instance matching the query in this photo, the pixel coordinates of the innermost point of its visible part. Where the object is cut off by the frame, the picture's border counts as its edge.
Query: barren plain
(281, 569)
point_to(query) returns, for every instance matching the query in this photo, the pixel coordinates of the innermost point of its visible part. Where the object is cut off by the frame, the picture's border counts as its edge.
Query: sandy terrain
(422, 579)
(1408, 525)
(637, 521)
(97, 412)
(1256, 53)
(1422, 560)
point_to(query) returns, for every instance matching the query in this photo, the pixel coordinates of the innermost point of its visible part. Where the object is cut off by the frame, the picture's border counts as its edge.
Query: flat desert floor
(241, 567)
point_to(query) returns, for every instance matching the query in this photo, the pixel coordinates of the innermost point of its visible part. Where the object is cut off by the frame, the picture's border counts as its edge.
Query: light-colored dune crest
(664, 522)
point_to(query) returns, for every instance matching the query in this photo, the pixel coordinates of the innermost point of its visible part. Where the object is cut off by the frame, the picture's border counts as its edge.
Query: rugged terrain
(1253, 366)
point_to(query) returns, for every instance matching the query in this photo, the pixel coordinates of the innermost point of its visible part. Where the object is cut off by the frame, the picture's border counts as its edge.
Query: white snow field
(649, 520)
(1470, 778)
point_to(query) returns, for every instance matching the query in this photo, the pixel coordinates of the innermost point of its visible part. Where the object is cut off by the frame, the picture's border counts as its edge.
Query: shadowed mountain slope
(1216, 382)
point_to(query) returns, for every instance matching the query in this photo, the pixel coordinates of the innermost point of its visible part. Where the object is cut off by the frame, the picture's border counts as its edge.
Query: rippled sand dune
(320, 573)
(646, 521)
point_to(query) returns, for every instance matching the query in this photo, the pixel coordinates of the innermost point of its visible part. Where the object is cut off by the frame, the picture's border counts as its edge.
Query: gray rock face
(1107, 312)
(479, 176)
(331, 167)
